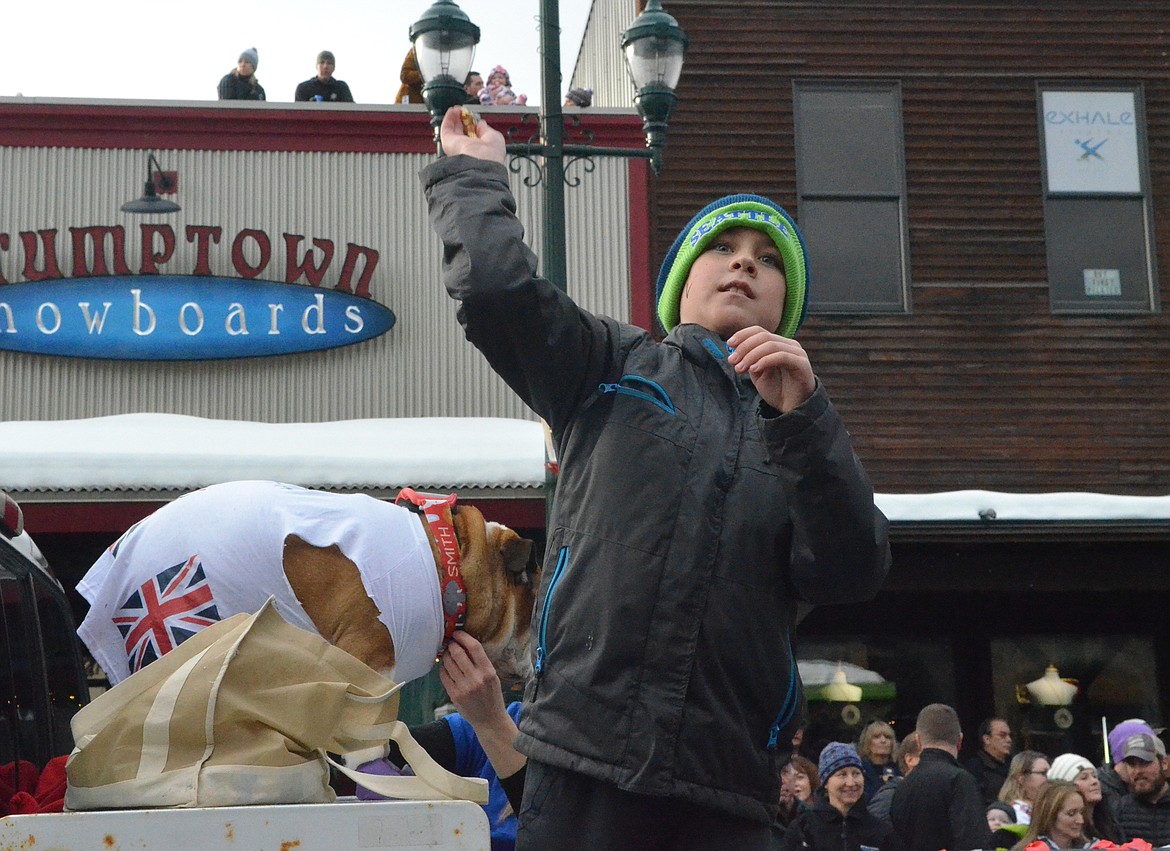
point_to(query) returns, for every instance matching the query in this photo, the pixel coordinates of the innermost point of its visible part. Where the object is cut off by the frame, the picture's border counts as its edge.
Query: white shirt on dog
(218, 552)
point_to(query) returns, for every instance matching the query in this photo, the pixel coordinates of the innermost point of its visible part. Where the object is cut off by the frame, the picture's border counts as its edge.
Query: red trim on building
(52, 518)
(641, 279)
(516, 513)
(234, 126)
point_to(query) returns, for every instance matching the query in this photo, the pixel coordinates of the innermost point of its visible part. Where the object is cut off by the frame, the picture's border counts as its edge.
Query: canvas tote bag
(243, 713)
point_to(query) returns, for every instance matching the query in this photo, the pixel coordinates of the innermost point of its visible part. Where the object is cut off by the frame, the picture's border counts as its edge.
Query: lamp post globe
(444, 40)
(654, 47)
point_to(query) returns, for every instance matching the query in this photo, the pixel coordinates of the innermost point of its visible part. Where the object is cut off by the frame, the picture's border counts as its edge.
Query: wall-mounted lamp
(150, 202)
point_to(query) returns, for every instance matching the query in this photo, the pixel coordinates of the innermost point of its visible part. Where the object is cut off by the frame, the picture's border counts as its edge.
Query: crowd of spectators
(241, 83)
(915, 795)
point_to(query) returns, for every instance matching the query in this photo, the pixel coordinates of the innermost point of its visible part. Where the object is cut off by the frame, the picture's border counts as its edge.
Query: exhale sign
(157, 316)
(1091, 141)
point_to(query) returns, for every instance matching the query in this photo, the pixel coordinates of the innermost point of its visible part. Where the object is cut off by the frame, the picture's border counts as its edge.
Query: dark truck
(42, 679)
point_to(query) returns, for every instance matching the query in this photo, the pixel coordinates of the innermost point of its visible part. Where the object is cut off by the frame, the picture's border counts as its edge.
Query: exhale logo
(1091, 149)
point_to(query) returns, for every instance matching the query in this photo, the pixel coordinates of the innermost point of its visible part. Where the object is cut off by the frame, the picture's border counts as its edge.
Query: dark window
(1114, 677)
(913, 671)
(851, 195)
(41, 681)
(1098, 217)
(63, 675)
(22, 685)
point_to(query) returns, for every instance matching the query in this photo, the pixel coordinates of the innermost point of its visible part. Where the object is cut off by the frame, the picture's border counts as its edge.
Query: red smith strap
(437, 510)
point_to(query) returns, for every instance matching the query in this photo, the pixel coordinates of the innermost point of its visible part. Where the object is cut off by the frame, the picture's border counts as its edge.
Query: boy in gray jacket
(707, 486)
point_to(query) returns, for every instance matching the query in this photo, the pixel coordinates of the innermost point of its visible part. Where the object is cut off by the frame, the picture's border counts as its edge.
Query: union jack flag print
(165, 611)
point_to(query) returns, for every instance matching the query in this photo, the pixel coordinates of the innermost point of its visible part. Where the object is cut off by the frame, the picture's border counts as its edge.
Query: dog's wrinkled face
(501, 576)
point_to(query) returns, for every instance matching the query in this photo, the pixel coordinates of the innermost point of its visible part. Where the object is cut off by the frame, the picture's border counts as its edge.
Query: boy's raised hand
(487, 144)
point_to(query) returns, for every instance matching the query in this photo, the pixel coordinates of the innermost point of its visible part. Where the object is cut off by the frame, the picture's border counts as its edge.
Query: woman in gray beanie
(241, 84)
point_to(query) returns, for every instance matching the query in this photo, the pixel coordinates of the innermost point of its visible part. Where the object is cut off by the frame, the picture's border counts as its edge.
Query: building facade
(287, 322)
(983, 187)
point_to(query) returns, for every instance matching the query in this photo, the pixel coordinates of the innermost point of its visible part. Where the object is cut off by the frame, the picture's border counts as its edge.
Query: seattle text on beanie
(750, 211)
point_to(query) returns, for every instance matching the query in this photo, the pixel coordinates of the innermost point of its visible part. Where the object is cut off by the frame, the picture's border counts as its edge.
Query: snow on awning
(978, 506)
(170, 452)
(116, 456)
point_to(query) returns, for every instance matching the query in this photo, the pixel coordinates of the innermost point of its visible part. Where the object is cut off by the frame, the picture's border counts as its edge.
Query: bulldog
(387, 583)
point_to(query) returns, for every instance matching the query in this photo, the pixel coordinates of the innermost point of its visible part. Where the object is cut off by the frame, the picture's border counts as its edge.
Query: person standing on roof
(241, 84)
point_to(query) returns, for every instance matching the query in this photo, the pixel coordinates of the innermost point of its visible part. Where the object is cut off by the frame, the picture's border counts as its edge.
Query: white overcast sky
(133, 49)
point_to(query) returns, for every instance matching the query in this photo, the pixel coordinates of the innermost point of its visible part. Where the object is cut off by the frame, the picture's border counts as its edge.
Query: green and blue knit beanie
(737, 211)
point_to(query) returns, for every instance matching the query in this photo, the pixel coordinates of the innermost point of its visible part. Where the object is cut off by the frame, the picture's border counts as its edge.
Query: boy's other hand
(778, 367)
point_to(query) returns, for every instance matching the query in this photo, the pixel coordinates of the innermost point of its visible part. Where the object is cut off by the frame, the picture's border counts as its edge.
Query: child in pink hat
(498, 91)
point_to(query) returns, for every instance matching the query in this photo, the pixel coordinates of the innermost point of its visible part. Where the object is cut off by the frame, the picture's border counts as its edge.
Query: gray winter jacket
(689, 520)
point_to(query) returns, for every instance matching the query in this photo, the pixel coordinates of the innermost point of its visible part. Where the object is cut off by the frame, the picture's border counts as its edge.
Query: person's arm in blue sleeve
(474, 687)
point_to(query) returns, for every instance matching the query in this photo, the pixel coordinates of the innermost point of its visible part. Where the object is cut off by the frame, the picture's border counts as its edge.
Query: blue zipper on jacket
(715, 350)
(562, 562)
(653, 393)
(789, 705)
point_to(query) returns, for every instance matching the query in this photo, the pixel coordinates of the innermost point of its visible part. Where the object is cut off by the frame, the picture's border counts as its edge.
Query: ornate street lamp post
(444, 45)
(654, 47)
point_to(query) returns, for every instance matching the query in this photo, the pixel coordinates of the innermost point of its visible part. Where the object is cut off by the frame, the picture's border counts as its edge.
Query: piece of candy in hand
(469, 121)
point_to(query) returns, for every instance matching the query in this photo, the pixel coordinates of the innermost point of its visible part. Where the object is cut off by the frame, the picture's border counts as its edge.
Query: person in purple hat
(1114, 774)
(706, 486)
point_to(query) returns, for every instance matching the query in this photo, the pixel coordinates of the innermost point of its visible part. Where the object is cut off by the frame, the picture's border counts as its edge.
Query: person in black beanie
(241, 84)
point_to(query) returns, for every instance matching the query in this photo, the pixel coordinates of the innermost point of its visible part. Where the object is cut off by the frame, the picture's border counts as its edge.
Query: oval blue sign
(179, 317)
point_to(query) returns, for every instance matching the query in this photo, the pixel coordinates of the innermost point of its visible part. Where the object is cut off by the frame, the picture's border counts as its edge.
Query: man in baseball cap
(1145, 811)
(1114, 773)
